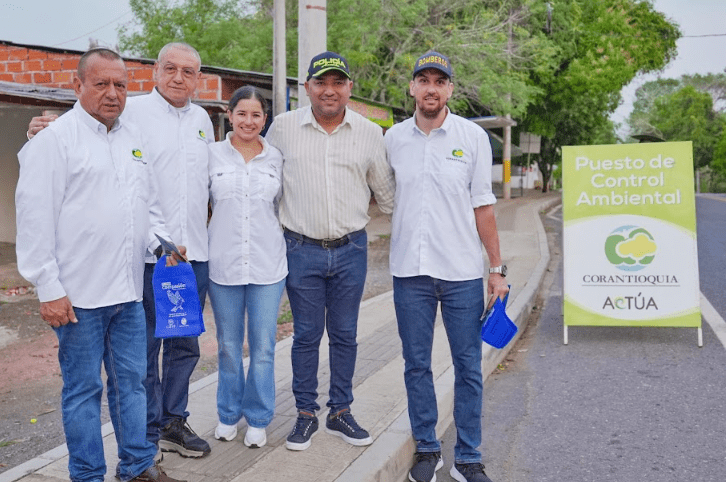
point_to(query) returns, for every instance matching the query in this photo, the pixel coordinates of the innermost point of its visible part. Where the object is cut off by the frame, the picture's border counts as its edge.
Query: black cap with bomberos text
(433, 60)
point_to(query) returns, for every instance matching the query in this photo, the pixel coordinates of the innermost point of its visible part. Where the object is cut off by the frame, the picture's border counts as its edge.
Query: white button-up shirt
(328, 178)
(440, 179)
(87, 209)
(176, 140)
(246, 245)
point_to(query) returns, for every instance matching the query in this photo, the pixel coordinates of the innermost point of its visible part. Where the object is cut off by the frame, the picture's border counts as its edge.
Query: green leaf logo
(630, 248)
(137, 153)
(457, 153)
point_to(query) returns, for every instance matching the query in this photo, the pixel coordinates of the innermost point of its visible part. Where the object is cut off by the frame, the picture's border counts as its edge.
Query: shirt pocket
(222, 182)
(266, 184)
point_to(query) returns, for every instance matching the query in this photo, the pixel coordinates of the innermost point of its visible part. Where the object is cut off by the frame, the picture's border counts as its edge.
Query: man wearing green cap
(444, 212)
(333, 159)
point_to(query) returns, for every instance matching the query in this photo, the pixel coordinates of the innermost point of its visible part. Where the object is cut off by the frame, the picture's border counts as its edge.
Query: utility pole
(312, 39)
(279, 64)
(507, 148)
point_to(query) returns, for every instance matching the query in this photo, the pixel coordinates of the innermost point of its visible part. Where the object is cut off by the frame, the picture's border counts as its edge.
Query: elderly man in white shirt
(333, 159)
(443, 212)
(176, 133)
(87, 211)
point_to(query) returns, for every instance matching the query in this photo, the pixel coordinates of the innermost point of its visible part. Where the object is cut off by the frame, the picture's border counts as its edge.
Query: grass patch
(285, 315)
(7, 443)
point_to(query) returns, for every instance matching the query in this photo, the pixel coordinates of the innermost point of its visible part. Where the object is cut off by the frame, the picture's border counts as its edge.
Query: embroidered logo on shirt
(138, 156)
(202, 134)
(457, 155)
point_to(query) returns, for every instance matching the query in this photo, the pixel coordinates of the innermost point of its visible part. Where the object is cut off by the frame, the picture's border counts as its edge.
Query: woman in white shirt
(247, 266)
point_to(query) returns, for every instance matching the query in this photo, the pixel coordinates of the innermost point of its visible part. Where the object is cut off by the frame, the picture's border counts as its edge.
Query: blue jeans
(462, 304)
(325, 287)
(255, 399)
(167, 397)
(114, 335)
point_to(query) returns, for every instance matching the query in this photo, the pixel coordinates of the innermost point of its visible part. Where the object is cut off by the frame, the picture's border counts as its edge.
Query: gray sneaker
(344, 426)
(469, 473)
(305, 426)
(424, 470)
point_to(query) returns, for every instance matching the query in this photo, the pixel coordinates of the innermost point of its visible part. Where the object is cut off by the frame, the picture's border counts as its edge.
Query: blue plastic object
(178, 312)
(497, 328)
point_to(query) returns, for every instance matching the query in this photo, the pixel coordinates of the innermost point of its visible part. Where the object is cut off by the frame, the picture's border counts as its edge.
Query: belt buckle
(326, 243)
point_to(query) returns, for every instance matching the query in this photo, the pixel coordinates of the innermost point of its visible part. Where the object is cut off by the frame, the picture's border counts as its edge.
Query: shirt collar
(309, 118)
(444, 126)
(91, 122)
(164, 104)
(265, 145)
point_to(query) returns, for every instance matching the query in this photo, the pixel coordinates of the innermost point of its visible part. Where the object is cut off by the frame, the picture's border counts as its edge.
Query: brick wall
(56, 69)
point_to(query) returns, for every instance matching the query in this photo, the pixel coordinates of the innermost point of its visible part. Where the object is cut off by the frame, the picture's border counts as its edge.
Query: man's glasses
(187, 73)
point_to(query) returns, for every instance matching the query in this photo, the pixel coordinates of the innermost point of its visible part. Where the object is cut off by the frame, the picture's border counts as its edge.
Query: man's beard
(430, 113)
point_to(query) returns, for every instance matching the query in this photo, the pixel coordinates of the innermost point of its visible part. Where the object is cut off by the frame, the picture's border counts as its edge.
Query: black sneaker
(179, 437)
(344, 426)
(469, 473)
(424, 470)
(305, 426)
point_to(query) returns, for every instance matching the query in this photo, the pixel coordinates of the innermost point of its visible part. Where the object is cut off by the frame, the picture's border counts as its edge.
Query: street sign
(630, 254)
(529, 143)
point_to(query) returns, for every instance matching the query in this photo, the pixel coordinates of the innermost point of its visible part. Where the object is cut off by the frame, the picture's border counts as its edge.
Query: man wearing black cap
(443, 213)
(333, 159)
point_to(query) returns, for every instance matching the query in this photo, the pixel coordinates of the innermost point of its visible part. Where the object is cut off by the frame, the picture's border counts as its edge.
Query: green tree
(688, 115)
(602, 46)
(235, 34)
(380, 38)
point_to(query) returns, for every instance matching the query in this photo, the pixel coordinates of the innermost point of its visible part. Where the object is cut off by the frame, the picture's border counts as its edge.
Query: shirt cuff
(483, 200)
(50, 292)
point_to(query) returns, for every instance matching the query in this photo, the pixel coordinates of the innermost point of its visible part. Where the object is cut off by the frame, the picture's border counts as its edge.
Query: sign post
(630, 252)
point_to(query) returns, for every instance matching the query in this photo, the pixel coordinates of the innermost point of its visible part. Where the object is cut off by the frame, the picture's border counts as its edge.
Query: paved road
(711, 214)
(617, 403)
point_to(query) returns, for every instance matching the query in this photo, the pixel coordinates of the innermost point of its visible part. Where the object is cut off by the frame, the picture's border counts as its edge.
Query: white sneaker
(225, 432)
(255, 437)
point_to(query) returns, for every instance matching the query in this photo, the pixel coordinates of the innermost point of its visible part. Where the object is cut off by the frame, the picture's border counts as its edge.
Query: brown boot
(154, 474)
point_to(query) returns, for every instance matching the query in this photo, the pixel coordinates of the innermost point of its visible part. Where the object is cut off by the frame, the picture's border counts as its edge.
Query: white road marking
(717, 324)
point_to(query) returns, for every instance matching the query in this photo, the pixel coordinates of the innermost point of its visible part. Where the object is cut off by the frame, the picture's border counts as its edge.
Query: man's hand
(497, 286)
(58, 312)
(39, 123)
(174, 259)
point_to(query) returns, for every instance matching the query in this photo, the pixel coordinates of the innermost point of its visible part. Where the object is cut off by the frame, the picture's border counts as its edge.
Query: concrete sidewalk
(380, 398)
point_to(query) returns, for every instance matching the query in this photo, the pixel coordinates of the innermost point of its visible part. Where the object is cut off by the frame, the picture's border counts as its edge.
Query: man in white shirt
(443, 213)
(176, 133)
(87, 209)
(333, 159)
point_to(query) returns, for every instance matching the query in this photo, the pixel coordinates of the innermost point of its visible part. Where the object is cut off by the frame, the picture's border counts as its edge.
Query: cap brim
(321, 72)
(434, 67)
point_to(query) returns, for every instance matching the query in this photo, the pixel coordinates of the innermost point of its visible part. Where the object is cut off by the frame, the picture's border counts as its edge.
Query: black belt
(324, 243)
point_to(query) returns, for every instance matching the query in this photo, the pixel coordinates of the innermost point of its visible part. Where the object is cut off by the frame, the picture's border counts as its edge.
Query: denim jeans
(113, 335)
(325, 287)
(254, 398)
(462, 304)
(167, 397)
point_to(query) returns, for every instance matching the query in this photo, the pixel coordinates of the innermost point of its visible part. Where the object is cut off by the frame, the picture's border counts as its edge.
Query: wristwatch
(502, 270)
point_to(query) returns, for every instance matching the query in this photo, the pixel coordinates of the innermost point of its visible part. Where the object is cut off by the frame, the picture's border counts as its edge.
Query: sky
(69, 24)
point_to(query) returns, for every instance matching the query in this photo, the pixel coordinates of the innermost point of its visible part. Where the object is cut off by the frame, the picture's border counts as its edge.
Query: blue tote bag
(178, 312)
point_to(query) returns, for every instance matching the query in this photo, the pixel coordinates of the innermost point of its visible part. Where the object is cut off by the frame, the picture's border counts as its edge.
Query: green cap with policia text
(433, 60)
(326, 62)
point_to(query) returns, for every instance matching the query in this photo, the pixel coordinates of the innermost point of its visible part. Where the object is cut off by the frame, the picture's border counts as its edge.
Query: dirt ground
(30, 379)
